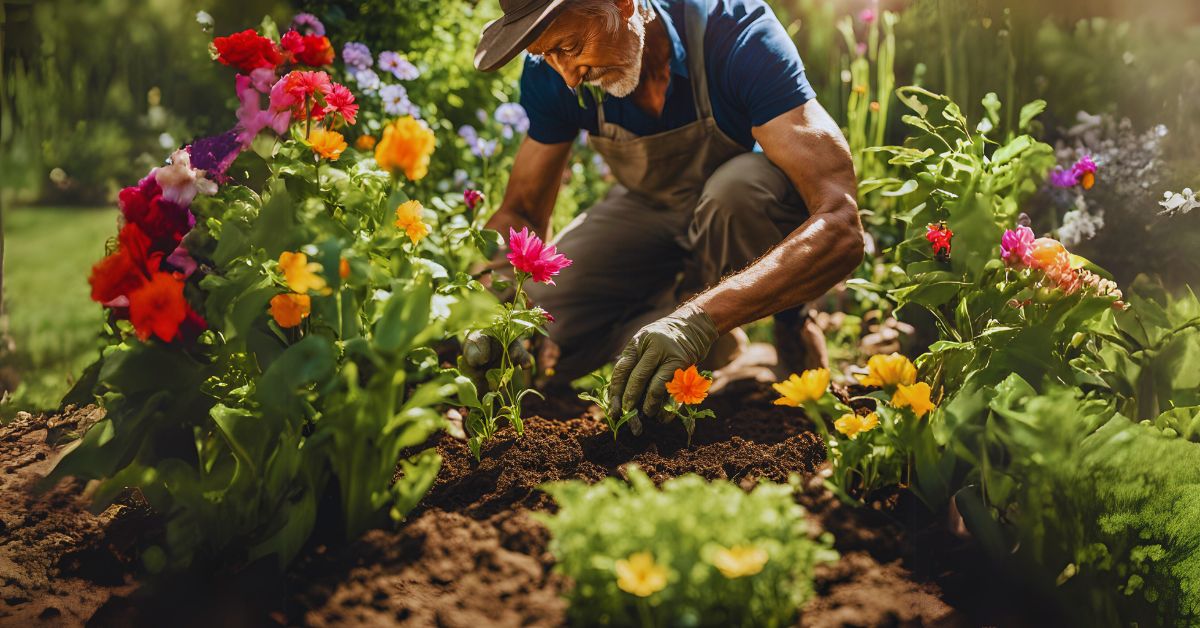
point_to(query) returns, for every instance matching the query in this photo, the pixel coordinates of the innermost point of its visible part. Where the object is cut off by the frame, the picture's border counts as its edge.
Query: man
(691, 89)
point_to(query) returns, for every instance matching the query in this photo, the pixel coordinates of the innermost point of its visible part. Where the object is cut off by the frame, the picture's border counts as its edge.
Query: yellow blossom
(800, 389)
(289, 309)
(640, 575)
(405, 147)
(740, 560)
(888, 370)
(915, 396)
(365, 142)
(408, 219)
(852, 424)
(327, 144)
(302, 275)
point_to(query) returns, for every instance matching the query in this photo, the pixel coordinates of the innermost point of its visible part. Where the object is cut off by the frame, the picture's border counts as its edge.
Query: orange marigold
(688, 386)
(406, 146)
(290, 308)
(328, 144)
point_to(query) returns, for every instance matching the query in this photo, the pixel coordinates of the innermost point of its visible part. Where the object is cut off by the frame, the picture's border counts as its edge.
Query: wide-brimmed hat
(506, 37)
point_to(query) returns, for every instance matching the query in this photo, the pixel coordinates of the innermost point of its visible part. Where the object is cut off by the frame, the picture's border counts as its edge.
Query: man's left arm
(808, 146)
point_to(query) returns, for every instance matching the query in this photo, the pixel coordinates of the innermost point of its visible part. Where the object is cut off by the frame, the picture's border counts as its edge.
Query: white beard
(628, 77)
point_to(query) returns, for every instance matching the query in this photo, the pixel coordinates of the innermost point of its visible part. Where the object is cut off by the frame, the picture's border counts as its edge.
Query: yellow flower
(408, 219)
(740, 560)
(406, 146)
(365, 142)
(888, 370)
(800, 389)
(301, 275)
(640, 575)
(289, 309)
(915, 396)
(852, 424)
(328, 144)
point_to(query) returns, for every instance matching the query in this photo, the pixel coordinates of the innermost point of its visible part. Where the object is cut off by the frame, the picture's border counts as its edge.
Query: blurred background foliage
(94, 93)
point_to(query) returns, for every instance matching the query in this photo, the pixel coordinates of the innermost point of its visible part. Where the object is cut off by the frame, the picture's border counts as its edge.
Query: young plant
(693, 552)
(599, 396)
(688, 388)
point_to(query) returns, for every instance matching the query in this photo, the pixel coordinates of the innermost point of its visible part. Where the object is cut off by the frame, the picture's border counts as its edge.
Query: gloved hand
(649, 361)
(481, 353)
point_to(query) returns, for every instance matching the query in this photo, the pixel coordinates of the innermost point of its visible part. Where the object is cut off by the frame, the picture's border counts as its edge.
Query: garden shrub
(689, 553)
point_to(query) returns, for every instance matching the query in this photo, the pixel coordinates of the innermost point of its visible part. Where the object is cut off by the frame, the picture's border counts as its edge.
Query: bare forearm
(810, 261)
(532, 188)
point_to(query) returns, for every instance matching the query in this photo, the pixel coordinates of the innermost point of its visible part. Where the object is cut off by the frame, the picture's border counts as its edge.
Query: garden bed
(471, 554)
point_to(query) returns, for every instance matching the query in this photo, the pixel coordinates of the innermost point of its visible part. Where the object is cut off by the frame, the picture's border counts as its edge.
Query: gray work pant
(635, 261)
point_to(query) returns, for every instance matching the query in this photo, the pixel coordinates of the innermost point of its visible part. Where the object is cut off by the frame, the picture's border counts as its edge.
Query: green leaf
(1029, 112)
(405, 315)
(306, 362)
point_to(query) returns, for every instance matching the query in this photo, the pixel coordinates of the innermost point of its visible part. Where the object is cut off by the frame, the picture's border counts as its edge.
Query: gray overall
(692, 206)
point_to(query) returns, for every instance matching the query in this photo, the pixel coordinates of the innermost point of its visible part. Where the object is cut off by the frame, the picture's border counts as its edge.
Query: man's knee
(747, 188)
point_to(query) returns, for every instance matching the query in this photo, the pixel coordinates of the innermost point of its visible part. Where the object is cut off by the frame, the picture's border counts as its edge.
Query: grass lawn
(49, 252)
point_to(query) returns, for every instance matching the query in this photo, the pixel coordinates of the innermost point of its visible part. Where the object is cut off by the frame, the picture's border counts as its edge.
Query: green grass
(55, 326)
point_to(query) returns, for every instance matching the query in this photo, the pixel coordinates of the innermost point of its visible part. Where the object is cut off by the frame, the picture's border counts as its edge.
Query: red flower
(247, 51)
(164, 221)
(939, 236)
(292, 43)
(317, 51)
(339, 100)
(157, 308)
(116, 276)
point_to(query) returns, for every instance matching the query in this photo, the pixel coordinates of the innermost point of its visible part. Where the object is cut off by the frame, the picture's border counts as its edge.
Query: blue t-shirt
(754, 74)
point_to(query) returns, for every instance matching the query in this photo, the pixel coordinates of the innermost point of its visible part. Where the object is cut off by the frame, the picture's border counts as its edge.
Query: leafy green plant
(691, 553)
(599, 396)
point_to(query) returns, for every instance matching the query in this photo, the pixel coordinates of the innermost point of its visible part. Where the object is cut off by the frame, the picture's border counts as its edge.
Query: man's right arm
(532, 188)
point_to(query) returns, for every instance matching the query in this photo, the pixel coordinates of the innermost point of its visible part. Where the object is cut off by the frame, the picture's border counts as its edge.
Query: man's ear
(627, 7)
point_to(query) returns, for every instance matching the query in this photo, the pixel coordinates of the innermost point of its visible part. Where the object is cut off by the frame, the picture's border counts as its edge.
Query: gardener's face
(581, 49)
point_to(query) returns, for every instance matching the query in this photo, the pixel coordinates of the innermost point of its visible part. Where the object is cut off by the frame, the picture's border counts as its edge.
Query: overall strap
(695, 17)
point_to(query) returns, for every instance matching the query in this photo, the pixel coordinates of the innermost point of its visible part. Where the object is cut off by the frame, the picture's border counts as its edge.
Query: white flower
(204, 19)
(1078, 225)
(1180, 203)
(180, 182)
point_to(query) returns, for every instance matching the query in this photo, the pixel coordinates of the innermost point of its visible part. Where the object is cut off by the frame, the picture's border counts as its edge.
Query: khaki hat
(505, 38)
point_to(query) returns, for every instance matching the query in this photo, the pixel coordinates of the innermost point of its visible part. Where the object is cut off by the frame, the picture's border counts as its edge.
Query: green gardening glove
(648, 362)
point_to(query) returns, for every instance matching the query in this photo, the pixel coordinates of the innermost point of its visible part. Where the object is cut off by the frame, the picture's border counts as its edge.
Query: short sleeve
(765, 72)
(543, 93)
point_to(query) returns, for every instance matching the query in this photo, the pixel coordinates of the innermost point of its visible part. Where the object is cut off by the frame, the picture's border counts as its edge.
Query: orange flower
(302, 275)
(344, 268)
(365, 142)
(405, 147)
(408, 219)
(157, 307)
(688, 386)
(328, 144)
(291, 308)
(1048, 253)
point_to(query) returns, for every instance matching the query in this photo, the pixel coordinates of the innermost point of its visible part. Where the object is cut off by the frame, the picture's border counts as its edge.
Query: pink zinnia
(529, 255)
(340, 100)
(1016, 246)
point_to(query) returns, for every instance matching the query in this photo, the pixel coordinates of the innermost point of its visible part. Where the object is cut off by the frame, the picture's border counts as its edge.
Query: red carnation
(247, 51)
(317, 51)
(939, 236)
(292, 43)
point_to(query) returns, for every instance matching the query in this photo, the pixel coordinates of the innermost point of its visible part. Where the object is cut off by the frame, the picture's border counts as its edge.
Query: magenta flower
(1016, 246)
(251, 116)
(472, 198)
(1083, 166)
(867, 16)
(528, 254)
(1062, 178)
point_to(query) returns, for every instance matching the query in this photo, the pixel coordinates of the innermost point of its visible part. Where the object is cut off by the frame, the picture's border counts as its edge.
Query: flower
(528, 255)
(512, 114)
(339, 100)
(408, 219)
(308, 24)
(357, 55)
(317, 51)
(1085, 172)
(688, 386)
(1063, 178)
(204, 19)
(1079, 225)
(157, 307)
(401, 68)
(888, 370)
(1049, 255)
(915, 396)
(472, 198)
(119, 274)
(852, 424)
(365, 143)
(290, 308)
(300, 274)
(180, 182)
(163, 221)
(327, 144)
(406, 146)
(215, 154)
(298, 87)
(252, 119)
(739, 561)
(867, 15)
(1016, 246)
(396, 102)
(367, 79)
(939, 236)
(798, 390)
(343, 268)
(1179, 203)
(640, 575)
(247, 51)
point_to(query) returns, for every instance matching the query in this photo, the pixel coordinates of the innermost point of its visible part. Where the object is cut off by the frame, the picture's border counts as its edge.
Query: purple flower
(367, 80)
(214, 154)
(308, 24)
(1062, 178)
(396, 102)
(400, 67)
(357, 55)
(468, 132)
(511, 114)
(1016, 246)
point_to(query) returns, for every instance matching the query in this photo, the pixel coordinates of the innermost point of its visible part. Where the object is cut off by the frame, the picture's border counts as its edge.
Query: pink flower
(1016, 246)
(339, 100)
(867, 16)
(529, 255)
(1083, 166)
(251, 116)
(472, 198)
(1062, 178)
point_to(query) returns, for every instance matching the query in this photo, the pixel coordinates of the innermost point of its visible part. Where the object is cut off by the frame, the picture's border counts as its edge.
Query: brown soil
(471, 555)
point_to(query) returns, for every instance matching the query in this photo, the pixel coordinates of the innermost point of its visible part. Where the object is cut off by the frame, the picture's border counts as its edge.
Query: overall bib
(691, 206)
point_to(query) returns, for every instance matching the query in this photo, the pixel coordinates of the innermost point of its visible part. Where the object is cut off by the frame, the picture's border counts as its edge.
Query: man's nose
(572, 73)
